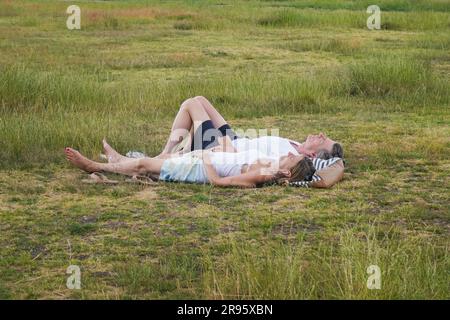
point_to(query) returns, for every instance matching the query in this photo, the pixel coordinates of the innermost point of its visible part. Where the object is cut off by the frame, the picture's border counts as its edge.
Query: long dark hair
(302, 171)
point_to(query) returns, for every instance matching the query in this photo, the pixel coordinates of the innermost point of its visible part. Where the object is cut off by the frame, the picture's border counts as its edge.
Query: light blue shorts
(186, 168)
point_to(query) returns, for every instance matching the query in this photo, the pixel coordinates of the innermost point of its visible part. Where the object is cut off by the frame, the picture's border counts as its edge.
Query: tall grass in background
(386, 77)
(388, 5)
(209, 15)
(40, 112)
(23, 90)
(309, 18)
(399, 78)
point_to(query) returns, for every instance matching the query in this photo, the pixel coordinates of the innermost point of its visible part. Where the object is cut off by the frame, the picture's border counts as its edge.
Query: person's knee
(185, 103)
(200, 98)
(195, 101)
(190, 104)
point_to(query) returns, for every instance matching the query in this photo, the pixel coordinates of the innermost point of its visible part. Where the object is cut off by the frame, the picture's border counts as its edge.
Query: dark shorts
(206, 135)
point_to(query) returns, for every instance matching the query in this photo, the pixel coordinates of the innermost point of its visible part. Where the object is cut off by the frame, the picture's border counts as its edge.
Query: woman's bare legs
(133, 167)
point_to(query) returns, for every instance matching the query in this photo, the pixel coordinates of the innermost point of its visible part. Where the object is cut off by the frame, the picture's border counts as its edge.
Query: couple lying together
(216, 155)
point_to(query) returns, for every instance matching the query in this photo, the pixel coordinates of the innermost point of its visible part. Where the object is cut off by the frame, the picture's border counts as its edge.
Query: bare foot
(112, 155)
(79, 161)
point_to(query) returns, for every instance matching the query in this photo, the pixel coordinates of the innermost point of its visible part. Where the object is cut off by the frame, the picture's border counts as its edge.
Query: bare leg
(216, 118)
(180, 128)
(116, 157)
(132, 167)
(112, 155)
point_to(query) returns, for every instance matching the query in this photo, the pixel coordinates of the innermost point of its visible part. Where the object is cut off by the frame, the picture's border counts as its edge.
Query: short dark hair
(336, 151)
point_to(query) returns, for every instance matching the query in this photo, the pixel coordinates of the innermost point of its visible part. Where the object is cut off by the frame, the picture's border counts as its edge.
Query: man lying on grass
(211, 131)
(214, 131)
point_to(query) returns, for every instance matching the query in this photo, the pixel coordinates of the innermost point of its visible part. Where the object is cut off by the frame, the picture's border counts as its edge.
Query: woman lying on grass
(240, 169)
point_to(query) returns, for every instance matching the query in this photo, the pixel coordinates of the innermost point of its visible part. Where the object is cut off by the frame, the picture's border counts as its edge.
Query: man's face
(316, 142)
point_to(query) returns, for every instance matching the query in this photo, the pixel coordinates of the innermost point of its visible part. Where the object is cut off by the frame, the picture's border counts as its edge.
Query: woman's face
(290, 160)
(317, 142)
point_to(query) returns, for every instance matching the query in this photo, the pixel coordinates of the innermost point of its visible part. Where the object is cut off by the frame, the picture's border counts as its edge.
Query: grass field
(297, 66)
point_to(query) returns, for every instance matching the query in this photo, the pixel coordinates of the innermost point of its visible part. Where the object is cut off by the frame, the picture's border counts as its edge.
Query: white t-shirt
(272, 146)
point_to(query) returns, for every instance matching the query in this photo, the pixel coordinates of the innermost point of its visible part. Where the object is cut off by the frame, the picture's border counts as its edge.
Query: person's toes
(106, 146)
(71, 154)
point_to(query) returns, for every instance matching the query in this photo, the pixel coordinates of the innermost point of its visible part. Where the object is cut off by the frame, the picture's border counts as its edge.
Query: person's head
(320, 146)
(294, 168)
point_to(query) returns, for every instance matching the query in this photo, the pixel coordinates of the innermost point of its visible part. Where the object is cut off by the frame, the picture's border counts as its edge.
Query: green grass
(297, 66)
